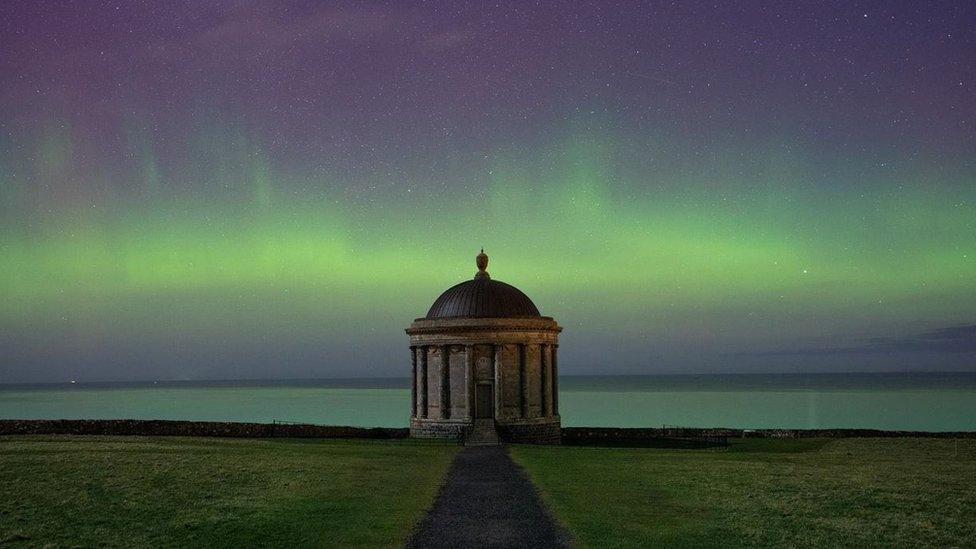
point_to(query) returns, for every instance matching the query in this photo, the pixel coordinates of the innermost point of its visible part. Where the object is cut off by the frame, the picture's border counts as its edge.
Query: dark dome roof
(482, 297)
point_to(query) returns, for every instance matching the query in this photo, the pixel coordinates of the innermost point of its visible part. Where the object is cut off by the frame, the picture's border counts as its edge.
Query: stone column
(423, 381)
(413, 382)
(523, 382)
(469, 379)
(555, 380)
(497, 352)
(445, 382)
(544, 390)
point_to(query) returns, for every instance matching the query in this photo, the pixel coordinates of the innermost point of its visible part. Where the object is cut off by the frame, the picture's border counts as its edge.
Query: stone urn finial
(482, 262)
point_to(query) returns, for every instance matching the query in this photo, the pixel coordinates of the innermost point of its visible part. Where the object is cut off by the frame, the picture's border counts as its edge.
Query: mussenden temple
(484, 366)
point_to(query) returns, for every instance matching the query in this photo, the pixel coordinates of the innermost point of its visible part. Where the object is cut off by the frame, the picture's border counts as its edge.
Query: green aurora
(765, 260)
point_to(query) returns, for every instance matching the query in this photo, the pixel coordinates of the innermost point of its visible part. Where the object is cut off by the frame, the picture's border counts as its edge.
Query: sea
(890, 401)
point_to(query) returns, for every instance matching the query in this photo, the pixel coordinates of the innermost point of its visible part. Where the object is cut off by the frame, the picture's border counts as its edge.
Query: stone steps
(482, 434)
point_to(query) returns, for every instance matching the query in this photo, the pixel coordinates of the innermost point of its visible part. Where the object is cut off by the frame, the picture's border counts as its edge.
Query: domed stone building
(484, 365)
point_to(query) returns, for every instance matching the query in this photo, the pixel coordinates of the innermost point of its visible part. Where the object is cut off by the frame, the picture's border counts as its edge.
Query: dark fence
(125, 427)
(690, 437)
(576, 436)
(643, 438)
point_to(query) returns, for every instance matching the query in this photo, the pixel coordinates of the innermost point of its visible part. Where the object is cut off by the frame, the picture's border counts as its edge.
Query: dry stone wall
(543, 432)
(614, 436)
(125, 427)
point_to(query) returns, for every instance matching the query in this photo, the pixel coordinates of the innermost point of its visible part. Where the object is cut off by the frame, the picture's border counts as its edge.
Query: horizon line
(407, 377)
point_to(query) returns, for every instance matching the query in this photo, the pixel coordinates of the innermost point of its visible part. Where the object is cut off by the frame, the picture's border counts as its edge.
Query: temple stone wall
(433, 382)
(459, 382)
(533, 385)
(422, 359)
(484, 369)
(511, 391)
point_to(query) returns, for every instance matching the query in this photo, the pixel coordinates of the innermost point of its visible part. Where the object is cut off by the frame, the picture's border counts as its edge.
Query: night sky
(225, 190)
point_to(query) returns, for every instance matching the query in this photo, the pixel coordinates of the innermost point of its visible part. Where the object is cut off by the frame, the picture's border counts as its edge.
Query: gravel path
(488, 501)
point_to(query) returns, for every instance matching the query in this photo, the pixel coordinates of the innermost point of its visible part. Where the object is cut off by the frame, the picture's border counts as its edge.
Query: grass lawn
(162, 491)
(847, 492)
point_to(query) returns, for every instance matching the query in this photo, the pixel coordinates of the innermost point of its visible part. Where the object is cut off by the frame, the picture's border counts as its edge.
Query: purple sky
(674, 149)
